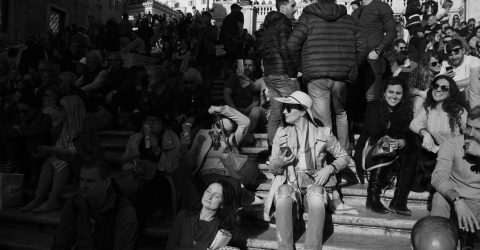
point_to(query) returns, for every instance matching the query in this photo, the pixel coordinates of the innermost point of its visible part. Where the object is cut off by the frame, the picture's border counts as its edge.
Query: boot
(399, 203)
(373, 193)
(405, 176)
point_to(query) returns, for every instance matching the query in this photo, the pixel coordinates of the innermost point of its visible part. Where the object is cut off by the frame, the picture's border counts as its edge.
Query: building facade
(22, 18)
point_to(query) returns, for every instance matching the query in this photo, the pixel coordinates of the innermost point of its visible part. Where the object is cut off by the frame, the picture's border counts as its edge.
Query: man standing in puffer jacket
(280, 76)
(324, 45)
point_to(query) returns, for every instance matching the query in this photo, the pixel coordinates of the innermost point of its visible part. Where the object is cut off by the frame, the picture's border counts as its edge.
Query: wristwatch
(457, 199)
(378, 51)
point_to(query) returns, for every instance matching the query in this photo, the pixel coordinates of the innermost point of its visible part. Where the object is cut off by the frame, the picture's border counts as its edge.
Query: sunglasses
(456, 51)
(402, 48)
(434, 64)
(443, 88)
(289, 107)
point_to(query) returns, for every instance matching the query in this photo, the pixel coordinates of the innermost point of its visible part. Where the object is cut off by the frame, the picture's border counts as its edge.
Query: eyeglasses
(443, 88)
(456, 51)
(402, 48)
(434, 64)
(289, 107)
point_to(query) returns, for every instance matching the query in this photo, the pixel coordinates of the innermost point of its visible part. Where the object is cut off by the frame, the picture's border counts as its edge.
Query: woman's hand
(396, 143)
(449, 73)
(42, 151)
(321, 177)
(373, 55)
(428, 142)
(214, 109)
(422, 94)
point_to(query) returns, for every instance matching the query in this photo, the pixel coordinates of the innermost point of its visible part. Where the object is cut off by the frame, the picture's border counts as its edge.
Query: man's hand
(450, 73)
(321, 177)
(466, 220)
(373, 55)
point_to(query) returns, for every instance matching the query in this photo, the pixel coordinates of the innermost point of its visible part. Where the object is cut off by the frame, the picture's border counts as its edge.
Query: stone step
(354, 190)
(365, 222)
(14, 236)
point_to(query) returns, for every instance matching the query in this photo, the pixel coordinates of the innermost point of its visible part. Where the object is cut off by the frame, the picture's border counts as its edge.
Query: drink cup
(221, 239)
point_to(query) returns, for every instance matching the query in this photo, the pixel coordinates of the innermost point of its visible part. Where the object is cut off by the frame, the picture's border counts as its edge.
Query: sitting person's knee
(285, 191)
(317, 195)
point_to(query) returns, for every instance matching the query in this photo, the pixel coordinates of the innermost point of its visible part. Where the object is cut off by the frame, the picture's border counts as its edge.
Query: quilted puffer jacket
(324, 42)
(274, 48)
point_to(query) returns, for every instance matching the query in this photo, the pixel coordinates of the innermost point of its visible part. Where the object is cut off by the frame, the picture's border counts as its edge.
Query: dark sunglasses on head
(434, 64)
(443, 88)
(454, 50)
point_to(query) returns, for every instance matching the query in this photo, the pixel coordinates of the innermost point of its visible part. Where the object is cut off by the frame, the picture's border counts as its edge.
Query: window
(57, 20)
(190, 3)
(3, 15)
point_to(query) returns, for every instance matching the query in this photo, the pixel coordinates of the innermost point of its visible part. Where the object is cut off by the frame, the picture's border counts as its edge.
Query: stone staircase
(366, 230)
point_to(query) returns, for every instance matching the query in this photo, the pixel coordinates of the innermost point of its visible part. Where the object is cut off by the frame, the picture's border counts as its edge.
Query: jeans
(378, 70)
(278, 86)
(441, 207)
(286, 207)
(257, 115)
(322, 91)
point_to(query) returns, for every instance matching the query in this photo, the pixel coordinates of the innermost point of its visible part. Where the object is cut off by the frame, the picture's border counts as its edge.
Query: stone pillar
(250, 18)
(472, 9)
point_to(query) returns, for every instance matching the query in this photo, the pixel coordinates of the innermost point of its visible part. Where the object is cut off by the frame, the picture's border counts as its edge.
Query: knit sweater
(454, 173)
(436, 122)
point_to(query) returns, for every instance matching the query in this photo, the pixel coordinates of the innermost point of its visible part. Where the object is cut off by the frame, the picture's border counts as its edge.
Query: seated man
(97, 218)
(434, 233)
(464, 69)
(456, 176)
(301, 174)
(241, 94)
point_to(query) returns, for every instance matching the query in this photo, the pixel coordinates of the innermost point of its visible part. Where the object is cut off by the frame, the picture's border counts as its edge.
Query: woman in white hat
(301, 173)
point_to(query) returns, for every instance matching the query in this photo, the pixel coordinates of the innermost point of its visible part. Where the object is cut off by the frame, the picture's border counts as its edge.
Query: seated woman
(196, 228)
(210, 147)
(442, 117)
(152, 153)
(388, 116)
(421, 77)
(76, 143)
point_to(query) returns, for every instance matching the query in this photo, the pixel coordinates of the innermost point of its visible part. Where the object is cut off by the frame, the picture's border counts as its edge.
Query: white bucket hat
(299, 97)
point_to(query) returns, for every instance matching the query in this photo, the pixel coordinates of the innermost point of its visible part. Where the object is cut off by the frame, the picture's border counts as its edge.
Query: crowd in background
(156, 75)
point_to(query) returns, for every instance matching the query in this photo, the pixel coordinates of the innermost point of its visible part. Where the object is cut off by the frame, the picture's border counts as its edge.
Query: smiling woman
(386, 120)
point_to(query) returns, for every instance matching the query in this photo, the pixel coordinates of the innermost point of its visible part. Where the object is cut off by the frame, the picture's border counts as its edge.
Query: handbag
(238, 166)
(379, 155)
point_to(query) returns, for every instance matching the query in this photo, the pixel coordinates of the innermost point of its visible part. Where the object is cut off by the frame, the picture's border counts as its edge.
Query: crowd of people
(409, 86)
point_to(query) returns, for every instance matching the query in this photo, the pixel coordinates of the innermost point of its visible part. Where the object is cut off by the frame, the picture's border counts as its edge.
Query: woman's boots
(405, 177)
(374, 190)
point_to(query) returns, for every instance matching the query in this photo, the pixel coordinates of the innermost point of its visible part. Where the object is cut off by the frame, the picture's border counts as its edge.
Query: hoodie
(324, 43)
(277, 29)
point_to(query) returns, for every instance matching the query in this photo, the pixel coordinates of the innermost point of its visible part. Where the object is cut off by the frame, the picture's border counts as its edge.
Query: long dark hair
(226, 214)
(404, 108)
(454, 105)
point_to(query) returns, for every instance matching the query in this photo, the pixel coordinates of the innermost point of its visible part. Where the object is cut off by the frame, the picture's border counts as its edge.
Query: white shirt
(463, 71)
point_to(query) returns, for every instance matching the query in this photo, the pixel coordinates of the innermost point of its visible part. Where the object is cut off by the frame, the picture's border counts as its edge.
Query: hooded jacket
(274, 47)
(324, 43)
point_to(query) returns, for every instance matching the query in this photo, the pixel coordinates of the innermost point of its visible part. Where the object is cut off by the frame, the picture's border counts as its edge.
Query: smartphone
(448, 68)
(289, 151)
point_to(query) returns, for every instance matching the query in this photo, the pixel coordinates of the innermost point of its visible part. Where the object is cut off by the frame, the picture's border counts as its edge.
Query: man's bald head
(434, 233)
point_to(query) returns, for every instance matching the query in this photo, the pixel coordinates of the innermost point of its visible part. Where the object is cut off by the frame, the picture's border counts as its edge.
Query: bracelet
(457, 199)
